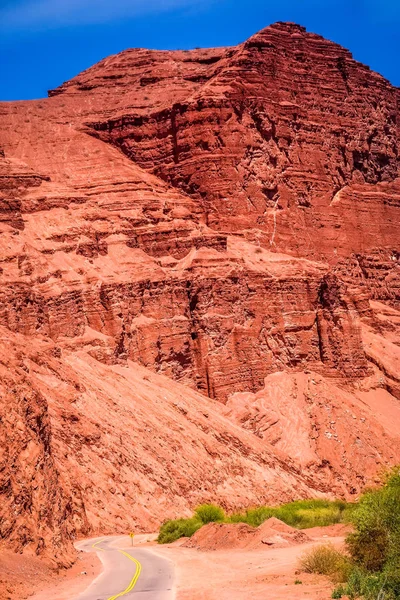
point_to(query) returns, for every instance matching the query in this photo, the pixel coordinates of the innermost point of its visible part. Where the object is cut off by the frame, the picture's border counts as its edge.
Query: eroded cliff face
(227, 219)
(37, 513)
(127, 256)
(283, 136)
(285, 139)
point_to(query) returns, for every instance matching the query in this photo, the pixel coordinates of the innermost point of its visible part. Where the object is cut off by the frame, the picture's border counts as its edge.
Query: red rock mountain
(200, 286)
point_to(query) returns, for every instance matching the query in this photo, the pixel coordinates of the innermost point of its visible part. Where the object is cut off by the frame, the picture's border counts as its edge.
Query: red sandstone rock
(328, 431)
(132, 447)
(281, 136)
(226, 218)
(36, 510)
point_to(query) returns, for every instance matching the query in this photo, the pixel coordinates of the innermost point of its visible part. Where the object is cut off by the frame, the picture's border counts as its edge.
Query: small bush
(326, 560)
(209, 513)
(237, 518)
(257, 516)
(253, 516)
(338, 592)
(175, 529)
(369, 548)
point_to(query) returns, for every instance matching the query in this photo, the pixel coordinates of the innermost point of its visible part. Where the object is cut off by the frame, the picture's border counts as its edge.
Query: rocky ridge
(225, 218)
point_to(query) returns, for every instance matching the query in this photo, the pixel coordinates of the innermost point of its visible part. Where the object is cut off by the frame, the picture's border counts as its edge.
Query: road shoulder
(43, 584)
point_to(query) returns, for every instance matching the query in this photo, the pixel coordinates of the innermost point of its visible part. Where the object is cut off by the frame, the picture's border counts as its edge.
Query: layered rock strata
(182, 228)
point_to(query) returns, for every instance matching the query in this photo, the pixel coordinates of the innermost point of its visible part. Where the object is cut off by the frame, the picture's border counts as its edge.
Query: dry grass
(326, 560)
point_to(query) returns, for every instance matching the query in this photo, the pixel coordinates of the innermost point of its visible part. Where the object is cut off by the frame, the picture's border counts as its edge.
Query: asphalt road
(128, 573)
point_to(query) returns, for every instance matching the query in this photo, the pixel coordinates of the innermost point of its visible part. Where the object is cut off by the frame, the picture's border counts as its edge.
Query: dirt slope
(272, 533)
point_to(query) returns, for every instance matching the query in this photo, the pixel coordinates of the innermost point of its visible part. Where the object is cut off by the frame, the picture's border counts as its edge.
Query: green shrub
(175, 529)
(369, 548)
(375, 543)
(326, 560)
(237, 518)
(301, 513)
(370, 586)
(253, 516)
(257, 516)
(209, 513)
(311, 513)
(338, 592)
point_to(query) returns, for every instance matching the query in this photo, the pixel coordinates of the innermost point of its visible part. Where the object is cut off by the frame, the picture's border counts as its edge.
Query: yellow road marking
(134, 578)
(95, 545)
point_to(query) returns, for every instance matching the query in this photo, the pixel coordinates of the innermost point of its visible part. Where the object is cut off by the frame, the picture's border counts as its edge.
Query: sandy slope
(21, 576)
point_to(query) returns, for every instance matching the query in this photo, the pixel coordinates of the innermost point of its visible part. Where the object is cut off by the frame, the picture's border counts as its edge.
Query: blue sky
(45, 42)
